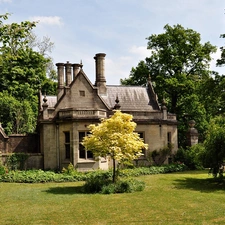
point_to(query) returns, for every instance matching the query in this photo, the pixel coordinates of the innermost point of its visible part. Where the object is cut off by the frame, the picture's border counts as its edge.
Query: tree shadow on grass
(202, 185)
(66, 190)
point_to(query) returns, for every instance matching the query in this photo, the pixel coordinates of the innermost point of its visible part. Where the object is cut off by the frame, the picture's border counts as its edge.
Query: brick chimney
(76, 69)
(60, 71)
(100, 73)
(68, 73)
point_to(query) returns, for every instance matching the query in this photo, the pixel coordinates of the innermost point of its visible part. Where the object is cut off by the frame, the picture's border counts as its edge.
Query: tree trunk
(114, 170)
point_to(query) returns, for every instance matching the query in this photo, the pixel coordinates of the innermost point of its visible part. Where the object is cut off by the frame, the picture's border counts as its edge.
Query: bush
(94, 178)
(160, 156)
(129, 185)
(192, 157)
(17, 161)
(3, 170)
(107, 187)
(95, 182)
(69, 170)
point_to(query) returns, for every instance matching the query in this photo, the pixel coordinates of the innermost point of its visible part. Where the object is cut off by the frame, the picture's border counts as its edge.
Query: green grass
(177, 198)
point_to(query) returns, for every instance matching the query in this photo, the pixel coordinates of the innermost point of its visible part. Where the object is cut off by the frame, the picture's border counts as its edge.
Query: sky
(81, 28)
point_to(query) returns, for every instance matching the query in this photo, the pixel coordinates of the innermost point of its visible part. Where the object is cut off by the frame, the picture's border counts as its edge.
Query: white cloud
(3, 1)
(49, 20)
(141, 51)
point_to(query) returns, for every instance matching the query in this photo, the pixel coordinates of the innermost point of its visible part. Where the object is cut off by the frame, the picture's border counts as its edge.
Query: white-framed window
(84, 154)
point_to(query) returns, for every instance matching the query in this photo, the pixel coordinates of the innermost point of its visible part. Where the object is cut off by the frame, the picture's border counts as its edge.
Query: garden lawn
(177, 198)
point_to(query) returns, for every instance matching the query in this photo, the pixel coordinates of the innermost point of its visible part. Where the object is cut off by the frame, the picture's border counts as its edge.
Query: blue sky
(82, 28)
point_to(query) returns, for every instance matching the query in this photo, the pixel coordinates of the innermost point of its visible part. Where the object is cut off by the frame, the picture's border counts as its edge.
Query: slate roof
(131, 98)
(51, 101)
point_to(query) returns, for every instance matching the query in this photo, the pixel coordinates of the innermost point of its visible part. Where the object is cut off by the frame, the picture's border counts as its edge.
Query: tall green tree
(178, 65)
(22, 74)
(17, 116)
(178, 60)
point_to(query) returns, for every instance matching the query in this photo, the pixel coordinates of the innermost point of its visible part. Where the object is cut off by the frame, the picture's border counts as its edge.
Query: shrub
(192, 157)
(69, 170)
(159, 156)
(17, 161)
(108, 189)
(123, 186)
(95, 184)
(94, 179)
(3, 170)
(129, 185)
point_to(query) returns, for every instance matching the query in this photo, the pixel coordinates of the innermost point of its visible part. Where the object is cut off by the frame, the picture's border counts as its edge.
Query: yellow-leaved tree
(115, 137)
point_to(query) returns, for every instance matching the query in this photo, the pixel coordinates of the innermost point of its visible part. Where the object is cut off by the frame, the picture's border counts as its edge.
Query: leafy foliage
(178, 65)
(159, 156)
(115, 137)
(40, 176)
(3, 169)
(221, 61)
(22, 76)
(123, 186)
(17, 161)
(215, 145)
(17, 116)
(193, 157)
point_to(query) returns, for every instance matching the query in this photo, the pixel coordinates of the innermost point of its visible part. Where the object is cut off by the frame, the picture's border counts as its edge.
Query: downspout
(57, 147)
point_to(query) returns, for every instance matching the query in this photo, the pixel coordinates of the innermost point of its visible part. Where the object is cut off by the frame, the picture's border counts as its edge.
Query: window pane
(67, 137)
(81, 151)
(83, 154)
(67, 147)
(89, 155)
(169, 137)
(81, 136)
(141, 134)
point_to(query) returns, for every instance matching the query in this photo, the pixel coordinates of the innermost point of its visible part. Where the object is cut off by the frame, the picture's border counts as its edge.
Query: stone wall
(23, 143)
(20, 143)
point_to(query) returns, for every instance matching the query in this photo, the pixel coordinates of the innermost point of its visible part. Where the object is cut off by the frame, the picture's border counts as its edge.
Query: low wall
(22, 143)
(34, 161)
(28, 143)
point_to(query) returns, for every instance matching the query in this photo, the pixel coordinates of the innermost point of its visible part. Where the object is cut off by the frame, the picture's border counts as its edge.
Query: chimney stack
(100, 72)
(68, 73)
(60, 71)
(76, 69)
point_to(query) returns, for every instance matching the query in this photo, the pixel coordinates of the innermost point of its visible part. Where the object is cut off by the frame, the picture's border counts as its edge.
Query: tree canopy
(177, 61)
(179, 68)
(115, 137)
(22, 73)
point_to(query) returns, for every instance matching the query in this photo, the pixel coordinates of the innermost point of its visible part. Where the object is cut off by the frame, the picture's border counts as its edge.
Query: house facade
(64, 119)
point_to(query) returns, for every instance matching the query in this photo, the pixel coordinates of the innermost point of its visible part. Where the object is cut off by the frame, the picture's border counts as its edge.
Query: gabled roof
(131, 98)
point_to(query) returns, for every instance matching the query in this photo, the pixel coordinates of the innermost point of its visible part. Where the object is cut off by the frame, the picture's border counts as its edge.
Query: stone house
(64, 118)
